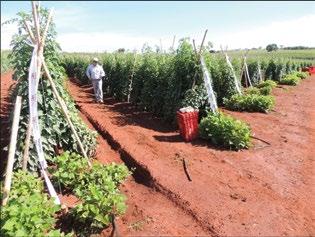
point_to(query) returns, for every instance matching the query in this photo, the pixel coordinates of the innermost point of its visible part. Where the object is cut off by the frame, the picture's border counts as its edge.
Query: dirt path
(266, 190)
(6, 106)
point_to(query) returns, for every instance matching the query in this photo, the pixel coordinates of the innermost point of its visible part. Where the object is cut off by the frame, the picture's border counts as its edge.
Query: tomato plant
(55, 131)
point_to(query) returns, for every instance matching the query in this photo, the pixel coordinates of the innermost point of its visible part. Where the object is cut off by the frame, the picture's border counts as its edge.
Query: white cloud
(7, 31)
(289, 33)
(99, 42)
(292, 32)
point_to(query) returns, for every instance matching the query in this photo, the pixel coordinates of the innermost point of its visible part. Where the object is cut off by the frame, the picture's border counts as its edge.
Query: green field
(302, 54)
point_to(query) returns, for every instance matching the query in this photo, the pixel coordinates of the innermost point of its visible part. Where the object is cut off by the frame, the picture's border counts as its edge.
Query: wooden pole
(36, 20)
(46, 29)
(203, 40)
(195, 49)
(27, 145)
(131, 77)
(64, 109)
(28, 29)
(173, 42)
(12, 146)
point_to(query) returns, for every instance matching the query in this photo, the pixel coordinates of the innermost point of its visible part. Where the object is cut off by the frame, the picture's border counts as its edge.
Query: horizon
(130, 25)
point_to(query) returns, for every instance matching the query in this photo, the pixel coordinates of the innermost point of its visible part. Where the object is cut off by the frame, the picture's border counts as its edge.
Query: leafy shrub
(270, 83)
(250, 103)
(224, 130)
(290, 79)
(301, 75)
(97, 187)
(29, 211)
(265, 90)
(252, 91)
(197, 98)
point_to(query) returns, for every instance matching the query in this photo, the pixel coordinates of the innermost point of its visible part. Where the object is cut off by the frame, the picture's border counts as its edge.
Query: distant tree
(281, 46)
(121, 50)
(271, 47)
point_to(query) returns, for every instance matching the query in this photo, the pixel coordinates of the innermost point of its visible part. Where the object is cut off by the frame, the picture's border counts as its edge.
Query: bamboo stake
(46, 28)
(131, 77)
(64, 109)
(203, 40)
(173, 42)
(195, 49)
(28, 29)
(198, 55)
(27, 145)
(36, 20)
(13, 139)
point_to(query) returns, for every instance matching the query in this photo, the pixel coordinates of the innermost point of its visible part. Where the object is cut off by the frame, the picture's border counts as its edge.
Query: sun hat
(95, 59)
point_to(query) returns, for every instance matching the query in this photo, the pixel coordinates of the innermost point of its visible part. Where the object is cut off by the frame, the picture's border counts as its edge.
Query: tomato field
(122, 167)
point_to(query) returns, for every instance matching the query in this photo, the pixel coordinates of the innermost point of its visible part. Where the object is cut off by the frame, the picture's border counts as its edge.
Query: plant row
(160, 83)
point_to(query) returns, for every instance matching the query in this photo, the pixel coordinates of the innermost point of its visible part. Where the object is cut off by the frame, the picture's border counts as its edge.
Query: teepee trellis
(40, 42)
(245, 70)
(236, 82)
(37, 63)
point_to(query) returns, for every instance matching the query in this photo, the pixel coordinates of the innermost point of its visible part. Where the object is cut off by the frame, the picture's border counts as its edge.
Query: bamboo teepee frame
(245, 70)
(39, 40)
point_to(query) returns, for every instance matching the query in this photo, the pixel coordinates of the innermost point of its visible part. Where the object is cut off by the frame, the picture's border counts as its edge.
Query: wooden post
(36, 20)
(12, 146)
(198, 55)
(195, 49)
(64, 109)
(173, 42)
(27, 145)
(131, 77)
(203, 40)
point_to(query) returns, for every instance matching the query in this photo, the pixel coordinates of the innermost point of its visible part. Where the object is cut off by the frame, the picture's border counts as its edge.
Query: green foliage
(197, 98)
(223, 80)
(5, 62)
(29, 211)
(97, 187)
(290, 79)
(224, 130)
(250, 103)
(253, 71)
(265, 90)
(252, 91)
(270, 83)
(301, 75)
(55, 130)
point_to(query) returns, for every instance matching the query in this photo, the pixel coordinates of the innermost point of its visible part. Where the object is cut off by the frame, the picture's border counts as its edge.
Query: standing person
(95, 73)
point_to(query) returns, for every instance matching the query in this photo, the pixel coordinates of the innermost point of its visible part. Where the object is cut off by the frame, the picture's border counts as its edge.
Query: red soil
(266, 190)
(6, 106)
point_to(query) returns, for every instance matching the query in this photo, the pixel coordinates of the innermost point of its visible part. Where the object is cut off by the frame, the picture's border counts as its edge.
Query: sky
(96, 26)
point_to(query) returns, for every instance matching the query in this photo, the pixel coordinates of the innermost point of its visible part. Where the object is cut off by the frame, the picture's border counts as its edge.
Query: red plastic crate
(311, 70)
(188, 125)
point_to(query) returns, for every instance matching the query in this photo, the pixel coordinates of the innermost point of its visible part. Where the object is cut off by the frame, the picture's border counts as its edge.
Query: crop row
(160, 83)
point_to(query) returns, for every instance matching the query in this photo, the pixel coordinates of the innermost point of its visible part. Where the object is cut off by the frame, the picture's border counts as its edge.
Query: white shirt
(95, 72)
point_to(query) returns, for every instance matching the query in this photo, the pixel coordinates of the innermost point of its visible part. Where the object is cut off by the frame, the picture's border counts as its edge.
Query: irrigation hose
(186, 170)
(260, 140)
